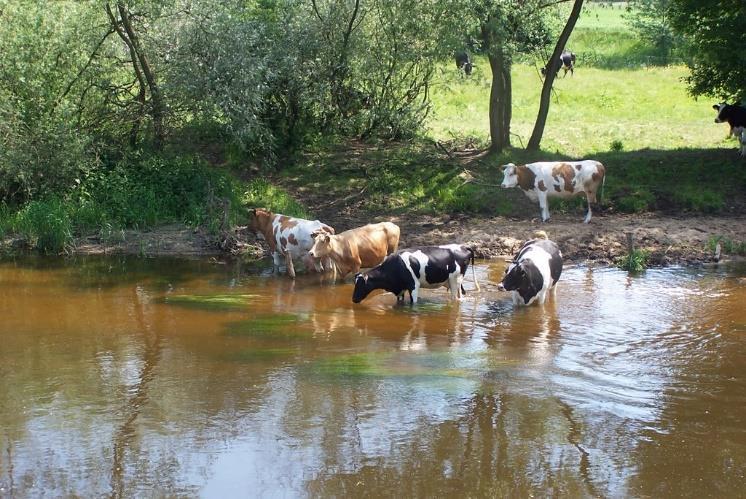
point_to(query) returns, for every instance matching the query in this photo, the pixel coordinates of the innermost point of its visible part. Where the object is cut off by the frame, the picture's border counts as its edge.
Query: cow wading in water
(350, 250)
(542, 180)
(533, 272)
(287, 237)
(415, 268)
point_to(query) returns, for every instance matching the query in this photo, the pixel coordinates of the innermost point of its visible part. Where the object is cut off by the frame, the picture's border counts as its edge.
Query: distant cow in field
(350, 250)
(415, 268)
(735, 116)
(542, 180)
(533, 272)
(463, 63)
(287, 237)
(566, 62)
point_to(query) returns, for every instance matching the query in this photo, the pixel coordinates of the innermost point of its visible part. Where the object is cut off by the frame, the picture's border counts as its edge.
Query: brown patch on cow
(557, 188)
(541, 186)
(327, 229)
(526, 177)
(565, 171)
(287, 223)
(578, 167)
(283, 242)
(598, 175)
(292, 239)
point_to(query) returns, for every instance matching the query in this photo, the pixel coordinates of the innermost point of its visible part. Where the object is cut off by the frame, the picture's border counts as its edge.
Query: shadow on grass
(420, 177)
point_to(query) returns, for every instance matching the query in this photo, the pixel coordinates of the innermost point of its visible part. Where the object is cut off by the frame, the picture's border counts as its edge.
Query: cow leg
(413, 294)
(289, 263)
(590, 197)
(543, 205)
(276, 262)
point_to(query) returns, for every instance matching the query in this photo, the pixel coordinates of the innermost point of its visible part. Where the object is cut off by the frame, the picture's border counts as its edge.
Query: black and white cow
(566, 62)
(415, 268)
(463, 63)
(533, 272)
(735, 116)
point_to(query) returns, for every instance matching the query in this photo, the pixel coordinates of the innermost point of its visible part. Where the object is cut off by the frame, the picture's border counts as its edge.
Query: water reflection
(618, 386)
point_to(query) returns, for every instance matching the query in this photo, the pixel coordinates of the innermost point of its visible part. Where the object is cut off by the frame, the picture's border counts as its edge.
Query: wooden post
(630, 243)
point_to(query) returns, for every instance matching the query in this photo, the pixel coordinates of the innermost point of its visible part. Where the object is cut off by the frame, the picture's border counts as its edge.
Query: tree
(652, 21)
(546, 90)
(716, 48)
(508, 28)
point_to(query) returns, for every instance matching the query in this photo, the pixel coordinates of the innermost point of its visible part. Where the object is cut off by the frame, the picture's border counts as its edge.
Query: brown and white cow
(288, 237)
(352, 249)
(545, 179)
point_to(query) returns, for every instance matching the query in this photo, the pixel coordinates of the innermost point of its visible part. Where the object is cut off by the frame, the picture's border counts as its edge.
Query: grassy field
(661, 147)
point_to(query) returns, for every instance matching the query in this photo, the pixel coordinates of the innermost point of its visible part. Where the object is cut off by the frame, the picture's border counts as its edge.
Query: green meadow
(624, 106)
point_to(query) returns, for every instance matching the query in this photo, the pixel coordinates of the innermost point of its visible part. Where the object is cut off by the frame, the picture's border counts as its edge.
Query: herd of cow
(530, 275)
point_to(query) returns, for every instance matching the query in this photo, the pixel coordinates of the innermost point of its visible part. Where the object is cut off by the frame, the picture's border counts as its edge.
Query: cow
(533, 272)
(415, 268)
(545, 179)
(287, 237)
(566, 62)
(735, 116)
(463, 63)
(350, 250)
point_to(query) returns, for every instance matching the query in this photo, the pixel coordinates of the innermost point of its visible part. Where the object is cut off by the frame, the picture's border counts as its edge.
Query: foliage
(636, 261)
(260, 193)
(651, 20)
(727, 246)
(45, 224)
(715, 49)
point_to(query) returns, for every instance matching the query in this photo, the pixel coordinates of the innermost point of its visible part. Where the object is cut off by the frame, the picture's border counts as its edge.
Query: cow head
(722, 111)
(322, 243)
(258, 220)
(510, 176)
(515, 275)
(362, 288)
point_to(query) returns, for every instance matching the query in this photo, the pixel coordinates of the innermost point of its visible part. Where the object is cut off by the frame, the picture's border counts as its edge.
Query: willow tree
(508, 28)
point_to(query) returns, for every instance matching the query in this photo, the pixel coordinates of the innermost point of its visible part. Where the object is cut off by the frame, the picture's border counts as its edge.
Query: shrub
(636, 261)
(46, 225)
(262, 194)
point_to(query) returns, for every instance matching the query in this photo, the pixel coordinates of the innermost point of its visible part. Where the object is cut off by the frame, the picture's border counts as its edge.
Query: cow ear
(315, 233)
(716, 107)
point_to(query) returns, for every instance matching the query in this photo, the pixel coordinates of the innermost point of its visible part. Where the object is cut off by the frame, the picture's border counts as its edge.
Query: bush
(636, 261)
(46, 225)
(262, 194)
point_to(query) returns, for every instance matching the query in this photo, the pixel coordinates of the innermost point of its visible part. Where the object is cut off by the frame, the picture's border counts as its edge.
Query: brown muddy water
(152, 377)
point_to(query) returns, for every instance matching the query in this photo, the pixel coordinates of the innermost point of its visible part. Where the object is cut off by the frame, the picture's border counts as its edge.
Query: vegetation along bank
(120, 132)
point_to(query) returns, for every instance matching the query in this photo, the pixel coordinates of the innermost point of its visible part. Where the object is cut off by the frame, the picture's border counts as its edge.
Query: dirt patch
(669, 240)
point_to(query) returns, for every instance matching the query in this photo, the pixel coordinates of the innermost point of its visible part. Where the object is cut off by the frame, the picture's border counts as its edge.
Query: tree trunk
(500, 111)
(546, 90)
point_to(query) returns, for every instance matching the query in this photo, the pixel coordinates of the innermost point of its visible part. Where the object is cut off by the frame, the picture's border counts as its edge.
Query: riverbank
(686, 240)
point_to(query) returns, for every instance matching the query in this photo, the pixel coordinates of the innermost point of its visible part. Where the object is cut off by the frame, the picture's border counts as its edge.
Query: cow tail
(474, 272)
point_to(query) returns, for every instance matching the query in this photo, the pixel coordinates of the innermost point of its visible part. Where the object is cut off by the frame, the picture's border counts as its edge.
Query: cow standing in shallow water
(415, 268)
(533, 272)
(542, 180)
(287, 237)
(350, 250)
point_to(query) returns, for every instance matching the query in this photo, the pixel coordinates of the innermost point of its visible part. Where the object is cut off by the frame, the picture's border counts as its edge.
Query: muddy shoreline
(668, 240)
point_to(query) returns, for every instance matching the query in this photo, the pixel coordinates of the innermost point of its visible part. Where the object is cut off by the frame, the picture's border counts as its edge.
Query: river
(148, 377)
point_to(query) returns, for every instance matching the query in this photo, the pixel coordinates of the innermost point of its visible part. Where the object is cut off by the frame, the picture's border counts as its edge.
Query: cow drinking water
(542, 180)
(350, 250)
(533, 272)
(415, 268)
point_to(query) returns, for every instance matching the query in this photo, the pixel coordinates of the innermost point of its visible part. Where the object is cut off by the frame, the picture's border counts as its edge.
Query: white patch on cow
(301, 233)
(453, 282)
(582, 182)
(540, 258)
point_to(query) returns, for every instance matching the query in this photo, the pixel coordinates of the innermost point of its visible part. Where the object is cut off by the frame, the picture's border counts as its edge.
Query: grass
(261, 193)
(636, 261)
(727, 245)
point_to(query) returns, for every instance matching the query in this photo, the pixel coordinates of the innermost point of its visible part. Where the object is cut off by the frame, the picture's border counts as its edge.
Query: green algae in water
(399, 365)
(211, 302)
(281, 326)
(256, 355)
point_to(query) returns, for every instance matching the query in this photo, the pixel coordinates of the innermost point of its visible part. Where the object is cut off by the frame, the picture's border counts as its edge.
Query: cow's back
(371, 243)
